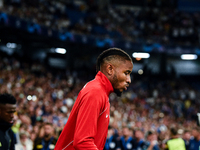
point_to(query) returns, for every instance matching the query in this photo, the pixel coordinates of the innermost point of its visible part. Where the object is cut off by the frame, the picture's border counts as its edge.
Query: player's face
(7, 112)
(121, 78)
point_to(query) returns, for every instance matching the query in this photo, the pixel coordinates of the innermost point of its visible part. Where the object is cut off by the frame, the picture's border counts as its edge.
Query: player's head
(117, 65)
(7, 107)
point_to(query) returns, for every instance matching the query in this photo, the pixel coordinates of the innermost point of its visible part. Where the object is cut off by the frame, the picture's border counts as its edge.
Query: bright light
(141, 55)
(34, 97)
(188, 56)
(11, 45)
(60, 50)
(140, 71)
(29, 97)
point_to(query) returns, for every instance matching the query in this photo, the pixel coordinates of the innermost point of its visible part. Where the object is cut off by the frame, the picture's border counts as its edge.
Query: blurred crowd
(148, 106)
(163, 25)
(146, 111)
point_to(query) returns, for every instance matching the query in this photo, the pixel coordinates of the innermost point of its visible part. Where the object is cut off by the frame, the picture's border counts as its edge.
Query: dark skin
(7, 112)
(118, 72)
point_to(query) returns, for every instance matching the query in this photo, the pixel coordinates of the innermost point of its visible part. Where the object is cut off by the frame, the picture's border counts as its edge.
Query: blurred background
(83, 28)
(48, 51)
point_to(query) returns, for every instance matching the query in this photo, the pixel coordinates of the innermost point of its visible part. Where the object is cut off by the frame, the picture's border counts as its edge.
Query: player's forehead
(8, 107)
(125, 65)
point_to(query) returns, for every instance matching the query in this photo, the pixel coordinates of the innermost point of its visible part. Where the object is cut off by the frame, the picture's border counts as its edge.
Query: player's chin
(118, 92)
(10, 121)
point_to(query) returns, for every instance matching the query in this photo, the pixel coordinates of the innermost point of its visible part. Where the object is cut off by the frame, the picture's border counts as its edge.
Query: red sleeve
(86, 124)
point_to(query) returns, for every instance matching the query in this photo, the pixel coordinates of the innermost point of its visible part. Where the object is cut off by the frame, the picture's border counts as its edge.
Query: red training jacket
(87, 125)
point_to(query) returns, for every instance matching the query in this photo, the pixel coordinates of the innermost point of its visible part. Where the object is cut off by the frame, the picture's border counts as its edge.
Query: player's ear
(110, 69)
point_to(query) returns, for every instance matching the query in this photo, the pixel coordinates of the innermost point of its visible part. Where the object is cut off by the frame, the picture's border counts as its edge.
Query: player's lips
(11, 121)
(126, 87)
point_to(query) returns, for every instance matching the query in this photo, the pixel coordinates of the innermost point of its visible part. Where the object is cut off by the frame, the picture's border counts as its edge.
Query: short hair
(109, 127)
(186, 131)
(48, 123)
(148, 133)
(173, 131)
(138, 129)
(111, 52)
(196, 128)
(7, 99)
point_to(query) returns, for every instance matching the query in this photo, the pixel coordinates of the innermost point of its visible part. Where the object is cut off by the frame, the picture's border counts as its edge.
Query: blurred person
(33, 136)
(151, 142)
(22, 127)
(47, 141)
(163, 135)
(36, 128)
(40, 130)
(40, 133)
(16, 125)
(126, 141)
(25, 119)
(25, 142)
(87, 125)
(112, 141)
(139, 137)
(194, 143)
(175, 142)
(186, 137)
(7, 109)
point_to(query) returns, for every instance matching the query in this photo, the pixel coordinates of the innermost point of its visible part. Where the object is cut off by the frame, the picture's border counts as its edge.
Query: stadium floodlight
(140, 55)
(29, 97)
(60, 50)
(188, 56)
(11, 45)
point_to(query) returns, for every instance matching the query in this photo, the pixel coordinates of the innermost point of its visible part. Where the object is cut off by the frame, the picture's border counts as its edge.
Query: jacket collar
(105, 82)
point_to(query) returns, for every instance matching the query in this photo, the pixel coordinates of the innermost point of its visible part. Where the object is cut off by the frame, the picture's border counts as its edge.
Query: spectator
(112, 142)
(194, 143)
(25, 142)
(186, 137)
(151, 142)
(175, 142)
(139, 137)
(47, 141)
(126, 140)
